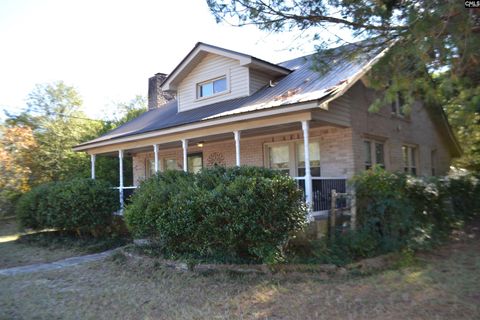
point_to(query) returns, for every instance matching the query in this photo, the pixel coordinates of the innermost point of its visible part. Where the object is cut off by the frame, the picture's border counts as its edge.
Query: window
(279, 156)
(171, 164)
(409, 159)
(150, 168)
(195, 162)
(397, 105)
(433, 160)
(211, 87)
(374, 153)
(290, 158)
(314, 150)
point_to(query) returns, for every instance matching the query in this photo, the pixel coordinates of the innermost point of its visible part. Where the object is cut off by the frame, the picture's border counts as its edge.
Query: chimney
(156, 96)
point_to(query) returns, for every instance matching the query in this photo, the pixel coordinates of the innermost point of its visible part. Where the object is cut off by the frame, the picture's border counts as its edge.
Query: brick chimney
(156, 96)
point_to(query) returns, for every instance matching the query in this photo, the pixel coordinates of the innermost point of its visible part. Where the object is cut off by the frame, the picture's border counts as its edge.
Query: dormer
(210, 74)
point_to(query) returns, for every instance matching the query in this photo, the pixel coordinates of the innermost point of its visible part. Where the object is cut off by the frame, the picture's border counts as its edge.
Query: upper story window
(212, 87)
(397, 105)
(374, 153)
(410, 159)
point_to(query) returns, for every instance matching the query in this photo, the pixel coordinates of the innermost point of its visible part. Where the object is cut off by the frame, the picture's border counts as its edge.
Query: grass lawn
(443, 284)
(20, 248)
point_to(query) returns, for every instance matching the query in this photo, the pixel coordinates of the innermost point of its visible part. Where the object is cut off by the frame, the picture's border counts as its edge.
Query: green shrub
(32, 206)
(80, 205)
(383, 209)
(464, 191)
(232, 214)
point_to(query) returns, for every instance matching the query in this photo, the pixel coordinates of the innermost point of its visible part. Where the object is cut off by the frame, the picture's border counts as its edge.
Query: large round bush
(81, 205)
(243, 213)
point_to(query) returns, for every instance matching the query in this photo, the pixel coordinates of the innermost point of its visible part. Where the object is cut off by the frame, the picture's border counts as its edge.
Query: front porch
(318, 155)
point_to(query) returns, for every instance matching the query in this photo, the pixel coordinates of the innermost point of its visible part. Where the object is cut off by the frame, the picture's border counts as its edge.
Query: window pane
(279, 157)
(412, 153)
(220, 85)
(367, 147)
(151, 164)
(206, 89)
(394, 107)
(379, 155)
(171, 164)
(194, 163)
(405, 156)
(314, 150)
(401, 103)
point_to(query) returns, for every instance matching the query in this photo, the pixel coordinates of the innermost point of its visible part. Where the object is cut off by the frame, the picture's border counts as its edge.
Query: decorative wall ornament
(216, 159)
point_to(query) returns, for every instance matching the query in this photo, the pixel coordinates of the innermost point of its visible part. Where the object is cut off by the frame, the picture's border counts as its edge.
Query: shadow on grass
(71, 241)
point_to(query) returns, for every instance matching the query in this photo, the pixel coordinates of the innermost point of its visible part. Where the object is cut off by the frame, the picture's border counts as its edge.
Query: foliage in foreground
(396, 212)
(84, 206)
(233, 214)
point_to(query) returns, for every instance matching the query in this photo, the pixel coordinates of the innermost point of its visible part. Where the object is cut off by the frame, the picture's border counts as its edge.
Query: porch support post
(308, 174)
(155, 151)
(92, 160)
(237, 147)
(120, 185)
(185, 162)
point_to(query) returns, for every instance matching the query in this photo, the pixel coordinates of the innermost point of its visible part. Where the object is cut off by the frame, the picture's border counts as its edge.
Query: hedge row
(396, 212)
(228, 214)
(80, 205)
(401, 210)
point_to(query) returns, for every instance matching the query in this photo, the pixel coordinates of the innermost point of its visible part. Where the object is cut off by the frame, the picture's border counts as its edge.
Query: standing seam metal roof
(303, 84)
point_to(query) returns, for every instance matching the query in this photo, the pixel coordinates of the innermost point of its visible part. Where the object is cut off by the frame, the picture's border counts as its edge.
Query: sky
(107, 49)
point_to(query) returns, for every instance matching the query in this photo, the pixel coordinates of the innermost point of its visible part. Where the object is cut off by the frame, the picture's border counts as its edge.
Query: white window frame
(199, 84)
(292, 148)
(373, 154)
(409, 167)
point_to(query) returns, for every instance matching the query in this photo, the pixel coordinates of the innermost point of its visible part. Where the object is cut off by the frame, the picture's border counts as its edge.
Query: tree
(54, 115)
(433, 43)
(17, 149)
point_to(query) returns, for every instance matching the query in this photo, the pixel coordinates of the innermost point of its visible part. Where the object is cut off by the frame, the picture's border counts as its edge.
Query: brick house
(220, 107)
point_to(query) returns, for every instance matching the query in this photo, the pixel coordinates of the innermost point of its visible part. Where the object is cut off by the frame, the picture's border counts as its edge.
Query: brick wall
(418, 130)
(336, 152)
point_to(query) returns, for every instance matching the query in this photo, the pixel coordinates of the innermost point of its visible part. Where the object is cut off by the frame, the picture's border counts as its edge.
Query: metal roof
(303, 84)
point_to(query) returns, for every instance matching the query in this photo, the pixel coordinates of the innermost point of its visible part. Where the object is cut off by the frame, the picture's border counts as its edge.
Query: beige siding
(211, 67)
(258, 80)
(338, 112)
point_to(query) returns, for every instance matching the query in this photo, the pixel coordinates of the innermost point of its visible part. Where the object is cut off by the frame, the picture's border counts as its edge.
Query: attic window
(212, 87)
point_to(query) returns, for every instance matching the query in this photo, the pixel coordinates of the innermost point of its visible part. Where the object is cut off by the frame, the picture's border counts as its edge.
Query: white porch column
(308, 174)
(237, 147)
(92, 160)
(155, 151)
(120, 171)
(185, 162)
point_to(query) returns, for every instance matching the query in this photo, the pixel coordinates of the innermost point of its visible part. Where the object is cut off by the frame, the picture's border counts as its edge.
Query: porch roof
(303, 84)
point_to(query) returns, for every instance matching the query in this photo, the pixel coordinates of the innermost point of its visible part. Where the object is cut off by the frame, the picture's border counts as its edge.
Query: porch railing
(124, 194)
(322, 191)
